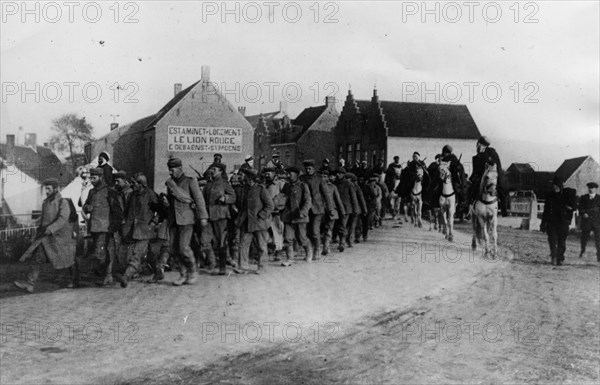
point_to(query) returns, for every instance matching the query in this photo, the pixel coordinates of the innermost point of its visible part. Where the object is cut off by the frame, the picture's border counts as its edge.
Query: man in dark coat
(589, 210)
(274, 187)
(139, 227)
(295, 215)
(218, 195)
(107, 169)
(186, 206)
(121, 246)
(254, 219)
(316, 186)
(348, 196)
(558, 213)
(54, 241)
(457, 173)
(486, 154)
(105, 212)
(248, 162)
(334, 212)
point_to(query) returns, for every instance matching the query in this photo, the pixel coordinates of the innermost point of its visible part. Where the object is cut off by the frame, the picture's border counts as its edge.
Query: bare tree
(71, 134)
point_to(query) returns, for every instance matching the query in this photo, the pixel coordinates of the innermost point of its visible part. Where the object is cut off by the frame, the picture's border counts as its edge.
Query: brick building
(373, 129)
(308, 136)
(194, 125)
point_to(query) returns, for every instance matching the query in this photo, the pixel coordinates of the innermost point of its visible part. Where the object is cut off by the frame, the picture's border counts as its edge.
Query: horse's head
(489, 180)
(444, 172)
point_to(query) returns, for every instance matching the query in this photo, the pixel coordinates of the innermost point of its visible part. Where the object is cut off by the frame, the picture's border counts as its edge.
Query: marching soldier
(275, 163)
(373, 195)
(107, 169)
(335, 211)
(186, 205)
(248, 162)
(54, 242)
(558, 212)
(486, 154)
(120, 245)
(139, 228)
(295, 215)
(274, 188)
(348, 197)
(105, 213)
(316, 187)
(324, 166)
(254, 219)
(589, 210)
(362, 205)
(356, 212)
(218, 195)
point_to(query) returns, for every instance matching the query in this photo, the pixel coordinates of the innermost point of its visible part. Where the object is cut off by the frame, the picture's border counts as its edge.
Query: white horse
(416, 198)
(484, 212)
(447, 200)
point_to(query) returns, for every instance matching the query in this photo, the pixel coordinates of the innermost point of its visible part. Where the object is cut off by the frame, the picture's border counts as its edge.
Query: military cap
(97, 171)
(484, 140)
(104, 155)
(217, 154)
(50, 182)
(557, 181)
(248, 158)
(250, 173)
(438, 156)
(374, 178)
(220, 166)
(448, 149)
(120, 175)
(275, 154)
(308, 163)
(293, 169)
(269, 169)
(592, 185)
(349, 175)
(364, 162)
(416, 153)
(174, 162)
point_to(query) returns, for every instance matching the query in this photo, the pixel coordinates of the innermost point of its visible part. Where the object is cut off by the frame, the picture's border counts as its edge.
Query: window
(349, 153)
(365, 156)
(357, 151)
(341, 152)
(287, 155)
(374, 157)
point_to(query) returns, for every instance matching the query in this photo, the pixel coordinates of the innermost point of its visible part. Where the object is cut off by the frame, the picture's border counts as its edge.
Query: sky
(528, 71)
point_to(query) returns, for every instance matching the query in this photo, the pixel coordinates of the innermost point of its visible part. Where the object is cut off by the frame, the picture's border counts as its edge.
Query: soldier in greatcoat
(589, 210)
(254, 219)
(106, 215)
(335, 211)
(295, 215)
(54, 241)
(348, 197)
(107, 169)
(373, 196)
(316, 187)
(139, 227)
(121, 246)
(185, 207)
(360, 198)
(356, 212)
(486, 154)
(558, 213)
(219, 195)
(274, 187)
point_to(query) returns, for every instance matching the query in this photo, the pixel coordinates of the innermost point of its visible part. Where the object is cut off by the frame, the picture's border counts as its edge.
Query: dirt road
(406, 307)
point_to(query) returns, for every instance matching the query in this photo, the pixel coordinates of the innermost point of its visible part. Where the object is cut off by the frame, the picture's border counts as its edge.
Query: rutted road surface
(405, 307)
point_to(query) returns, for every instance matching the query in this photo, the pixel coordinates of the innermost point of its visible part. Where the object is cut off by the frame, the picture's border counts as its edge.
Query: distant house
(576, 173)
(22, 171)
(195, 124)
(310, 135)
(372, 129)
(520, 176)
(268, 127)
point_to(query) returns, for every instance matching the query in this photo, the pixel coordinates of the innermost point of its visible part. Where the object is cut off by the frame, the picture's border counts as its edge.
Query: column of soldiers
(215, 221)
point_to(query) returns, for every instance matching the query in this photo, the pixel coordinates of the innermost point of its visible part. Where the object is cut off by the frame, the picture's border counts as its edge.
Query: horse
(431, 200)
(419, 186)
(394, 197)
(484, 212)
(447, 200)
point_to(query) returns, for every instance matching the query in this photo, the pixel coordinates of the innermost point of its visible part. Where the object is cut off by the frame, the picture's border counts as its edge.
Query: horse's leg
(484, 230)
(420, 212)
(494, 230)
(474, 223)
(451, 211)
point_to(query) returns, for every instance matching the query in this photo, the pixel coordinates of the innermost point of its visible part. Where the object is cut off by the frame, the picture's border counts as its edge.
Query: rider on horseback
(486, 155)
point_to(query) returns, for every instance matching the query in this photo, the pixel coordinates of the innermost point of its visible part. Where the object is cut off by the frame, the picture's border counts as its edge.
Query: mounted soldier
(486, 154)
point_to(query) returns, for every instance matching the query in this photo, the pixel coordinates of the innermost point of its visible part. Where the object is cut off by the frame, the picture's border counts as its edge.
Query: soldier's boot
(192, 278)
(317, 252)
(325, 250)
(289, 255)
(29, 284)
(308, 249)
(183, 276)
(159, 274)
(341, 246)
(211, 259)
(126, 277)
(73, 276)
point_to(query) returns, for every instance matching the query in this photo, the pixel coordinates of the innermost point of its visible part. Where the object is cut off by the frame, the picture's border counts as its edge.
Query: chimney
(177, 88)
(114, 126)
(205, 73)
(242, 110)
(10, 140)
(329, 101)
(283, 107)
(31, 140)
